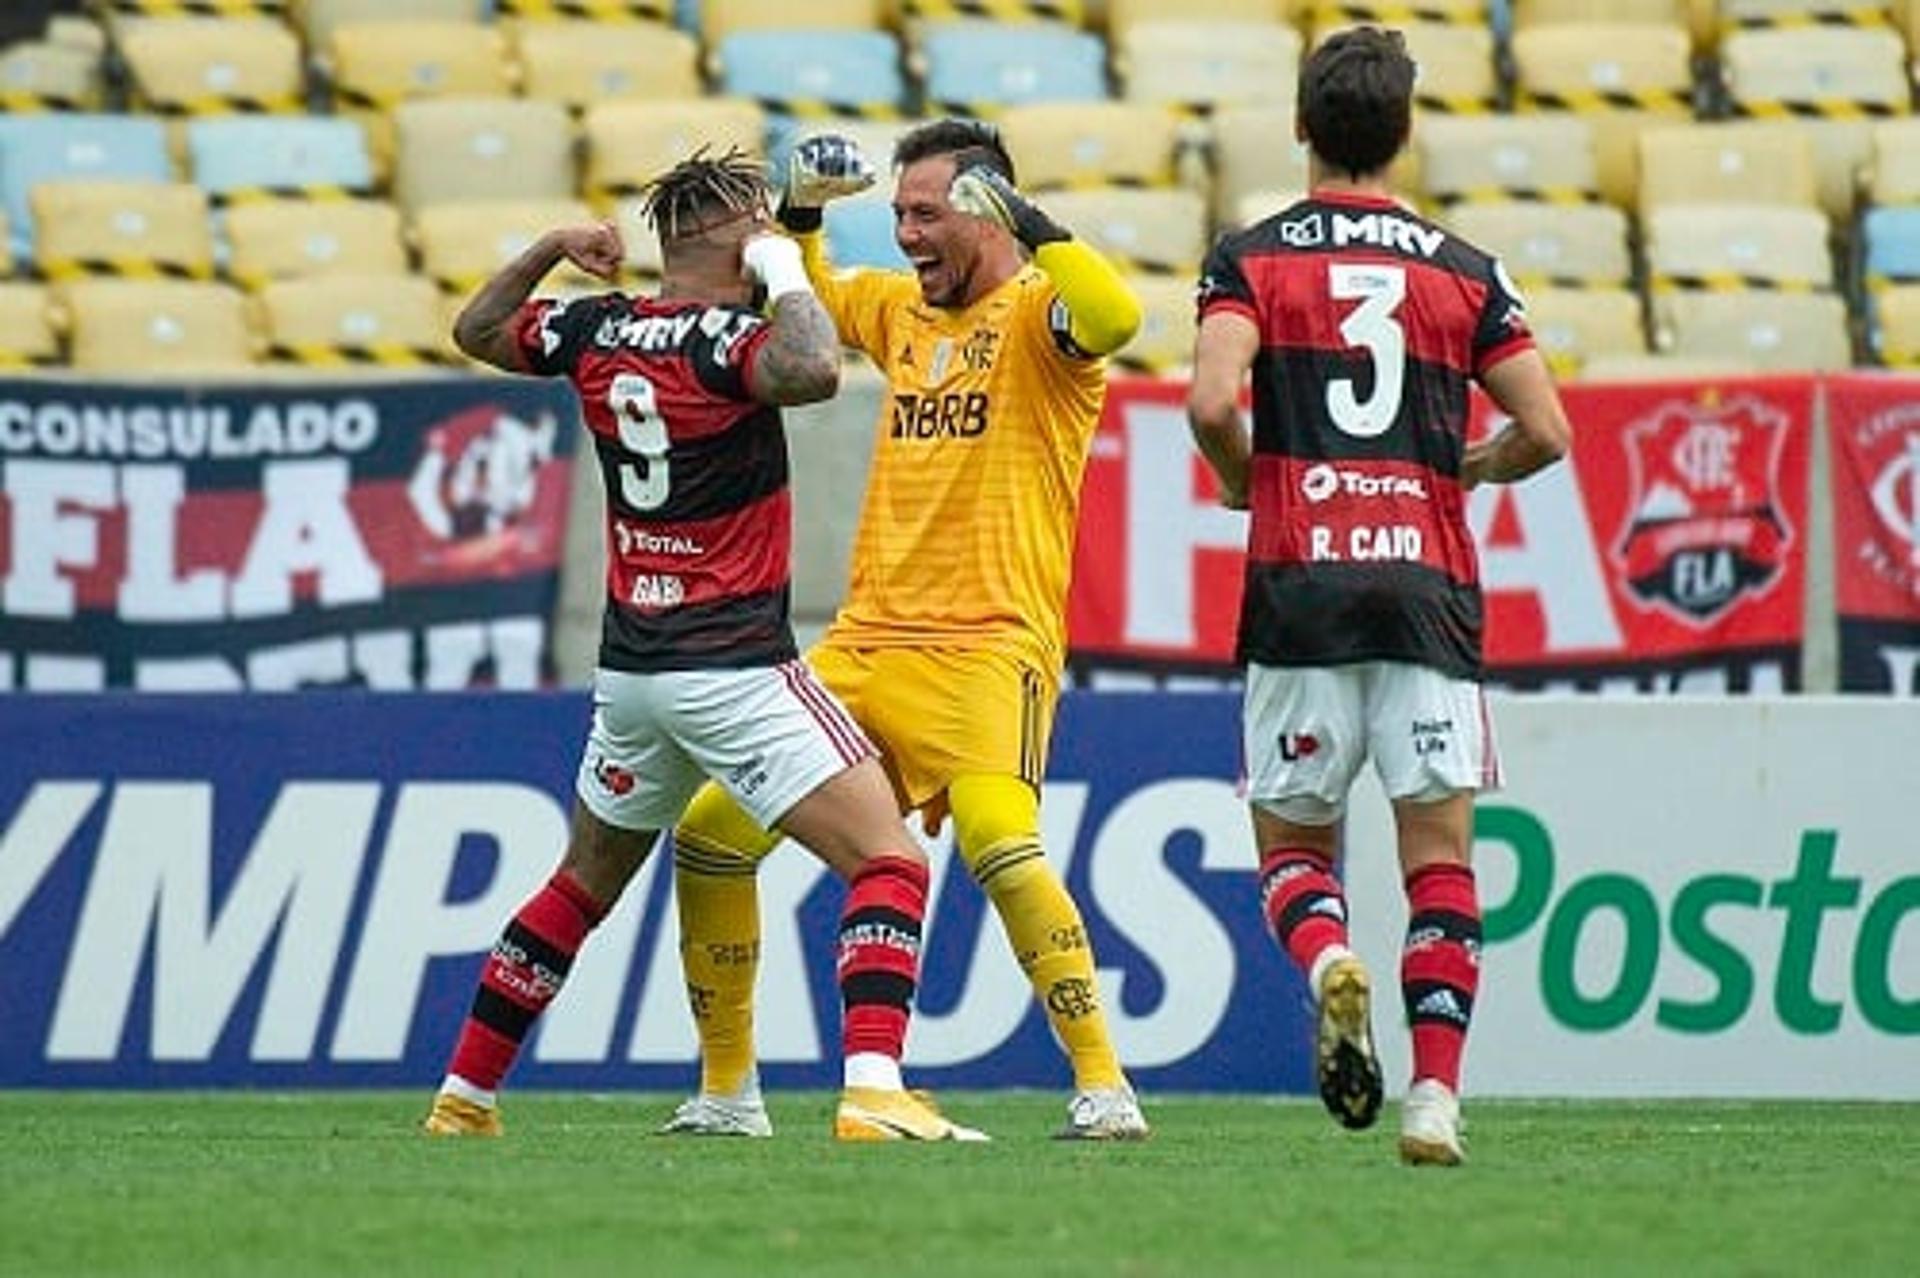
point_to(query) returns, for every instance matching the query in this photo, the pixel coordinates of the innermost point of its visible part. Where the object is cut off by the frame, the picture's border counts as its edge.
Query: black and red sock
(1305, 905)
(879, 954)
(1440, 967)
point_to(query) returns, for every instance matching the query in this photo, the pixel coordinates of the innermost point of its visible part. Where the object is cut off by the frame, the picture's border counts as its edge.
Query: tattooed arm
(799, 363)
(484, 329)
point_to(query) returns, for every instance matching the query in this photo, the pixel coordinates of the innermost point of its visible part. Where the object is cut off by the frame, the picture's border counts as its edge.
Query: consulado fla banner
(1667, 554)
(274, 536)
(1874, 425)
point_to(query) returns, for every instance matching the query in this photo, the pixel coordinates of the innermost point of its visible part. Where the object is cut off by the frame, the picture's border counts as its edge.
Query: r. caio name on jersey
(1366, 542)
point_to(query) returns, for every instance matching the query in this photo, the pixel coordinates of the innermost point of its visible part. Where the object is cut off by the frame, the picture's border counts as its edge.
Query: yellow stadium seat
(1122, 14)
(1162, 229)
(1397, 13)
(1208, 64)
(462, 245)
(282, 239)
(1896, 329)
(1573, 326)
(1455, 62)
(481, 148)
(1752, 162)
(1841, 75)
(600, 13)
(40, 75)
(721, 18)
(1653, 367)
(26, 336)
(578, 63)
(1737, 245)
(1072, 13)
(156, 326)
(320, 18)
(641, 245)
(1580, 246)
(122, 228)
(1255, 154)
(1058, 144)
(1893, 174)
(1797, 14)
(629, 143)
(354, 319)
(1257, 206)
(1781, 332)
(378, 65)
(212, 66)
(1547, 156)
(1165, 340)
(1539, 13)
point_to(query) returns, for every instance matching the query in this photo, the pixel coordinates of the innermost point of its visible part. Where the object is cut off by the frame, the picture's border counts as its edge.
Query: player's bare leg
(1439, 970)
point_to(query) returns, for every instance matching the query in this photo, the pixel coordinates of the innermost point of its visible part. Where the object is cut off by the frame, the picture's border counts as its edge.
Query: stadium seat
(39, 75)
(1256, 206)
(122, 228)
(1781, 332)
(1737, 245)
(860, 233)
(1891, 246)
(1507, 156)
(156, 326)
(629, 143)
(320, 18)
(594, 14)
(1822, 70)
(1254, 151)
(212, 66)
(977, 68)
(1754, 162)
(1573, 326)
(1654, 367)
(1164, 343)
(354, 319)
(579, 63)
(481, 148)
(1622, 78)
(378, 65)
(1528, 14)
(1573, 246)
(1153, 230)
(249, 157)
(1072, 13)
(721, 18)
(26, 336)
(814, 73)
(1205, 65)
(1896, 326)
(1455, 61)
(1893, 173)
(463, 244)
(46, 148)
(1057, 144)
(281, 239)
(1123, 14)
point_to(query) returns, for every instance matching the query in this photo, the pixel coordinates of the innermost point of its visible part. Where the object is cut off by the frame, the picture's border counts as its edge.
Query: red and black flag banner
(278, 536)
(1874, 425)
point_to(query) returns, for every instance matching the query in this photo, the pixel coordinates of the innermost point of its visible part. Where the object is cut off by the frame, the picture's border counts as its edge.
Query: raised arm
(483, 329)
(799, 363)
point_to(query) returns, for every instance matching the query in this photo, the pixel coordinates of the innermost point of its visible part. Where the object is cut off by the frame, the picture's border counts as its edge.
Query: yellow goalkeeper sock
(717, 851)
(996, 822)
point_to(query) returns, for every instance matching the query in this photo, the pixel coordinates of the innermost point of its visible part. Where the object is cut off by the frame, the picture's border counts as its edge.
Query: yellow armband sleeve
(1102, 311)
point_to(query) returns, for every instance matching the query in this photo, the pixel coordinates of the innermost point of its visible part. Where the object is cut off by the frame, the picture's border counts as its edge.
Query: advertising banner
(1874, 424)
(272, 536)
(1667, 555)
(276, 891)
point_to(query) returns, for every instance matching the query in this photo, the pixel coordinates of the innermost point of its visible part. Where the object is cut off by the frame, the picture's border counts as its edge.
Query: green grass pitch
(339, 1183)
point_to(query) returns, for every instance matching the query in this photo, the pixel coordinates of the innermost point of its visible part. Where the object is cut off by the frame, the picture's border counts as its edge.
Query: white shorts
(1307, 730)
(770, 735)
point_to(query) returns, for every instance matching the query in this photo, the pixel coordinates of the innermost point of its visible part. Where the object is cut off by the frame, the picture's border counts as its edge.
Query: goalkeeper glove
(981, 192)
(821, 168)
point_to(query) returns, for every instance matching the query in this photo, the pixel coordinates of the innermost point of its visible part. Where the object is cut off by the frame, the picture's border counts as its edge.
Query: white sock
(874, 1070)
(454, 1085)
(1328, 957)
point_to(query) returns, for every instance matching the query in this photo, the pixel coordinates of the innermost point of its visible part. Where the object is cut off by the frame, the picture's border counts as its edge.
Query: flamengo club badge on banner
(1875, 427)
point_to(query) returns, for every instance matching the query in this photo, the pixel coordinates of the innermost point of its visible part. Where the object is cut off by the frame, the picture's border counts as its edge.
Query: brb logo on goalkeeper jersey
(949, 415)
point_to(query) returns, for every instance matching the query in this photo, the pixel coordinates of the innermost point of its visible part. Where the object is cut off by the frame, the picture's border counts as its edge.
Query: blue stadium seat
(860, 233)
(42, 148)
(282, 153)
(809, 73)
(976, 65)
(1893, 244)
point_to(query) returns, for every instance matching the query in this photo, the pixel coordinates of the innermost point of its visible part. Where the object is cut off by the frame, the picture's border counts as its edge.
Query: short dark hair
(969, 142)
(703, 191)
(1356, 99)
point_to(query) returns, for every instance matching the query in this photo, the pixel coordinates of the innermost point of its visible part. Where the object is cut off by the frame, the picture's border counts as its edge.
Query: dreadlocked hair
(679, 203)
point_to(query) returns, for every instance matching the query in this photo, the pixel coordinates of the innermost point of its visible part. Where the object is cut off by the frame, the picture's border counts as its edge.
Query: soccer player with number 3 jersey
(949, 644)
(698, 674)
(1363, 326)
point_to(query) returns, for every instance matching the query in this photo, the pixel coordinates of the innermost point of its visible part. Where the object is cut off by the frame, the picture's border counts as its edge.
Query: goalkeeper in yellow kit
(949, 644)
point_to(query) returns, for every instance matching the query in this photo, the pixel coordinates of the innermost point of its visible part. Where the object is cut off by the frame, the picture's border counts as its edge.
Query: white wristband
(774, 260)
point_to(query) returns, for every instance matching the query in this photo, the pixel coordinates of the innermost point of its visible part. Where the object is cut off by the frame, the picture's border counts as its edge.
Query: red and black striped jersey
(699, 519)
(1373, 322)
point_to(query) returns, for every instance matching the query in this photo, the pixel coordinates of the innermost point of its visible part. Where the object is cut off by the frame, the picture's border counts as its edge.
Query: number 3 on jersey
(1380, 290)
(643, 432)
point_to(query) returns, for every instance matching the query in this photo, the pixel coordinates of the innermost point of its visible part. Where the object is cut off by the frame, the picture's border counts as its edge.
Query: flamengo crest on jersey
(1373, 323)
(699, 519)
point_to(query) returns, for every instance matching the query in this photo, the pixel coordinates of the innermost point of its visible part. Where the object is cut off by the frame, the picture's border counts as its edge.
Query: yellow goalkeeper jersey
(966, 535)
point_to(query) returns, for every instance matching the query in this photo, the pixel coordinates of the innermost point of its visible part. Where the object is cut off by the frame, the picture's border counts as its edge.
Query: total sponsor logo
(1321, 481)
(635, 539)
